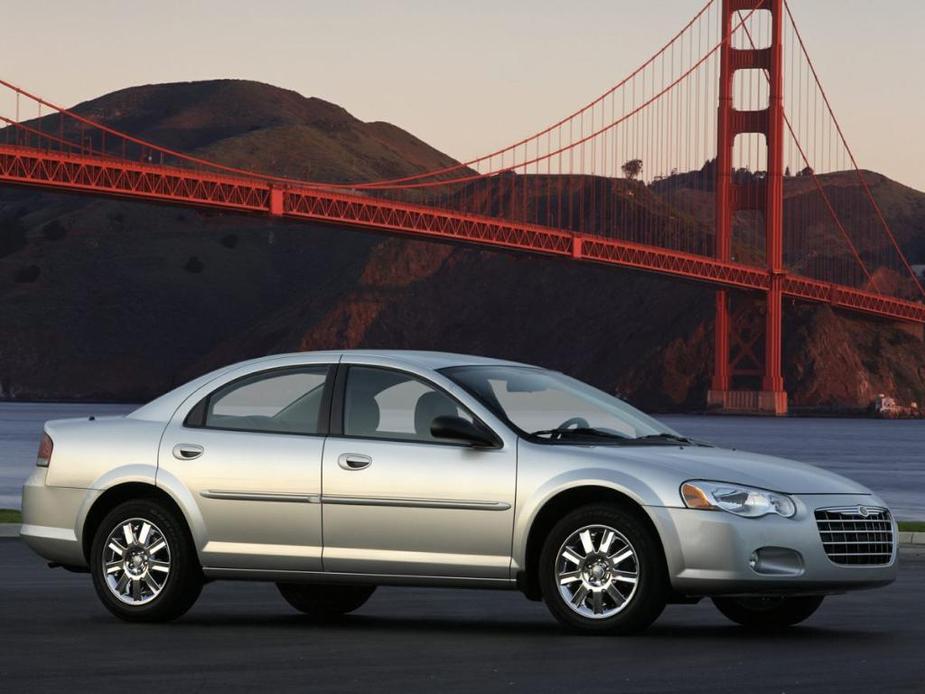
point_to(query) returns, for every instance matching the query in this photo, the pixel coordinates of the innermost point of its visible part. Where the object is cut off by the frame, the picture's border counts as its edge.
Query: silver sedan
(331, 473)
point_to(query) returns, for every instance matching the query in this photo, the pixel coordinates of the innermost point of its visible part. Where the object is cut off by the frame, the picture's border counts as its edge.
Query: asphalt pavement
(55, 636)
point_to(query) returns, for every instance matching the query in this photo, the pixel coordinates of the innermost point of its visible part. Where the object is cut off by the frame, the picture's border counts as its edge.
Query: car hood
(725, 465)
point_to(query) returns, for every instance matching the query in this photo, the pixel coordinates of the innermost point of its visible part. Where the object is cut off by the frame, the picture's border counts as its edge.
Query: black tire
(768, 612)
(183, 582)
(325, 602)
(648, 599)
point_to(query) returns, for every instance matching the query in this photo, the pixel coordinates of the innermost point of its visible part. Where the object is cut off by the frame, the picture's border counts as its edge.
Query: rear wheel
(602, 571)
(325, 601)
(768, 612)
(143, 563)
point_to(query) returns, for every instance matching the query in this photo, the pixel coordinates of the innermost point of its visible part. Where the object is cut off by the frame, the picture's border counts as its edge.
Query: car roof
(421, 358)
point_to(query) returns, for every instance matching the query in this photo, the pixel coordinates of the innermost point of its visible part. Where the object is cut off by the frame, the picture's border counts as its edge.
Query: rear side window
(281, 401)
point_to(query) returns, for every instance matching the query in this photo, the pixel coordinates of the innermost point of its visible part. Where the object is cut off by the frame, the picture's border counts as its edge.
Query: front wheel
(324, 602)
(143, 563)
(768, 612)
(602, 571)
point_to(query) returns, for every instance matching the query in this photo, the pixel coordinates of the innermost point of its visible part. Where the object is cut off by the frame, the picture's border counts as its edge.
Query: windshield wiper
(587, 432)
(592, 433)
(671, 438)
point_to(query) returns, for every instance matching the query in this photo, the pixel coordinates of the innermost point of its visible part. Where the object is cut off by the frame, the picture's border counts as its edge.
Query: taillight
(46, 446)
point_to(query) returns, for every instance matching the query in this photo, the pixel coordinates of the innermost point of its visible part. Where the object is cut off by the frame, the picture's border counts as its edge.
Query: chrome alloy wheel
(598, 571)
(136, 561)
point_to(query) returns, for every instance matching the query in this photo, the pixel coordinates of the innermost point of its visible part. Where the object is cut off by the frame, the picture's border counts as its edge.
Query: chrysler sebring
(331, 473)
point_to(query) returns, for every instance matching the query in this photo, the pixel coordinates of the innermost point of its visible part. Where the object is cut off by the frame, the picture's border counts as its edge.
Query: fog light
(776, 561)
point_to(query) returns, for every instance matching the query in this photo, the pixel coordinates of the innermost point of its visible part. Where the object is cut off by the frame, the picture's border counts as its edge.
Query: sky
(466, 76)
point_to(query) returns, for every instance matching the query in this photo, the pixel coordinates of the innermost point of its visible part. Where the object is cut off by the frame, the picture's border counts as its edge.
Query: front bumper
(708, 552)
(52, 517)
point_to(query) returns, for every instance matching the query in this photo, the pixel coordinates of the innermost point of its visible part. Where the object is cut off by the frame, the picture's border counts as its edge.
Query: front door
(250, 454)
(397, 500)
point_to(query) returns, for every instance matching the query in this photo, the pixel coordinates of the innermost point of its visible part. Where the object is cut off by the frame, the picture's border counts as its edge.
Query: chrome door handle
(187, 451)
(354, 461)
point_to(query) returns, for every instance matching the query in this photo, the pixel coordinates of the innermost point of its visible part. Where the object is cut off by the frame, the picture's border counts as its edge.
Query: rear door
(249, 452)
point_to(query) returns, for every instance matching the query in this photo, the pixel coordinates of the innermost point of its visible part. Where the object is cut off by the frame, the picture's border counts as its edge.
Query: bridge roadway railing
(142, 181)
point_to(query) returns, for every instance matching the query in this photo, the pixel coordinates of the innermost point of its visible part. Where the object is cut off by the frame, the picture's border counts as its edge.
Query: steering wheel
(574, 423)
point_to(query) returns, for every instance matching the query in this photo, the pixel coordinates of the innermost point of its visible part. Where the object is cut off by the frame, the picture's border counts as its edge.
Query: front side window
(385, 404)
(550, 406)
(282, 401)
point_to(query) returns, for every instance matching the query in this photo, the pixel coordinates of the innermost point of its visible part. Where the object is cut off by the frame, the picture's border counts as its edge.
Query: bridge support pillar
(276, 202)
(747, 359)
(773, 397)
(720, 383)
(749, 378)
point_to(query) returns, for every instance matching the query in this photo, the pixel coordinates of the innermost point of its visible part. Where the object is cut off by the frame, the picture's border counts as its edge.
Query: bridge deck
(144, 181)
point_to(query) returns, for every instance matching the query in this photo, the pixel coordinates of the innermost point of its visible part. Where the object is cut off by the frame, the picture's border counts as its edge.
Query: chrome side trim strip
(366, 578)
(261, 496)
(400, 502)
(415, 503)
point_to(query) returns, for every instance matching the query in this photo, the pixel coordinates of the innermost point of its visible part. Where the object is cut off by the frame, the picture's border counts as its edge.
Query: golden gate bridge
(718, 160)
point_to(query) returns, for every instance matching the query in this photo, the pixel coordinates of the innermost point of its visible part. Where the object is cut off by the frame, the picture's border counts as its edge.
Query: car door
(249, 453)
(398, 501)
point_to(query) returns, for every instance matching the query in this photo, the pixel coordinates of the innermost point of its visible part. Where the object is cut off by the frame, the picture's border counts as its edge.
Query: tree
(787, 172)
(632, 169)
(808, 171)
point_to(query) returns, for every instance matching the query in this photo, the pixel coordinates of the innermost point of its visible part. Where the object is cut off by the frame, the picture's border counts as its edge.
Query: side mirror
(459, 429)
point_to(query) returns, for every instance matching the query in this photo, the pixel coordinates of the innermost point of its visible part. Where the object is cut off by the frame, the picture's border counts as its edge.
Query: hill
(109, 300)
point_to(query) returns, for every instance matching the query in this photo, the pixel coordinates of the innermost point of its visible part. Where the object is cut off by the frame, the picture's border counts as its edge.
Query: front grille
(851, 537)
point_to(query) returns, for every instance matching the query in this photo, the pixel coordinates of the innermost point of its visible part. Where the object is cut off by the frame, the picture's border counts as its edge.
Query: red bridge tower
(735, 325)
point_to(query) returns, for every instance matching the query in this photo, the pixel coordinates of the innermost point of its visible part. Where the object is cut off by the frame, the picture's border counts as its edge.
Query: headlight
(735, 498)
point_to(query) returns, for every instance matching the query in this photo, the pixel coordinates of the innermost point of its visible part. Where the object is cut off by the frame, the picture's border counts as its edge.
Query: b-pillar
(732, 328)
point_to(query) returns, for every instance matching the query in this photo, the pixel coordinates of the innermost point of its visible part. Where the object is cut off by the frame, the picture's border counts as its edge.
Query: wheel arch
(118, 494)
(556, 507)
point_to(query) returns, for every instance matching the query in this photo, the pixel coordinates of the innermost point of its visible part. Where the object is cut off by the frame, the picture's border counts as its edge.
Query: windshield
(551, 406)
